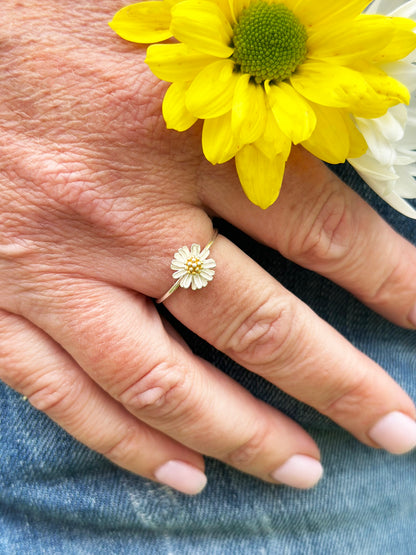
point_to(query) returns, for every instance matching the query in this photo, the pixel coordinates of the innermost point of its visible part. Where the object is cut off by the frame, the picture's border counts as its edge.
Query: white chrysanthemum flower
(192, 267)
(389, 165)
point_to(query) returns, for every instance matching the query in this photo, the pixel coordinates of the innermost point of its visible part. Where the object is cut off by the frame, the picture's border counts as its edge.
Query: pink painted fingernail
(412, 316)
(181, 476)
(395, 432)
(300, 471)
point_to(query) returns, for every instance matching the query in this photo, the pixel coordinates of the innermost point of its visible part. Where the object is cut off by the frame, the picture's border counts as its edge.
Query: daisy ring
(192, 268)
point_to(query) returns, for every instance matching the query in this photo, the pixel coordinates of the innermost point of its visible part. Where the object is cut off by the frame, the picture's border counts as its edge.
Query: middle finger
(250, 317)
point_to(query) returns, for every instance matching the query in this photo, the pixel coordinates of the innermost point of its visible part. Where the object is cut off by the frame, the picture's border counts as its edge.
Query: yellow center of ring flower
(193, 266)
(269, 42)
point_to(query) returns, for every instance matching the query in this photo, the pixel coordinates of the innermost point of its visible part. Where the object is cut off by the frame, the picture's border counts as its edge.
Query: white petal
(389, 165)
(371, 169)
(207, 274)
(179, 274)
(178, 264)
(400, 205)
(204, 281)
(408, 9)
(204, 253)
(197, 282)
(406, 183)
(195, 250)
(393, 124)
(183, 254)
(380, 147)
(186, 281)
(402, 71)
(209, 263)
(393, 7)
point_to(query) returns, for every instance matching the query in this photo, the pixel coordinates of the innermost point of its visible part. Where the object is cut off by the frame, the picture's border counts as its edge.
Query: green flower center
(269, 42)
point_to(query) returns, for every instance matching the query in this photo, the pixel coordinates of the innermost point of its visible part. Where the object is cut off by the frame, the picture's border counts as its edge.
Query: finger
(119, 339)
(246, 314)
(323, 225)
(34, 365)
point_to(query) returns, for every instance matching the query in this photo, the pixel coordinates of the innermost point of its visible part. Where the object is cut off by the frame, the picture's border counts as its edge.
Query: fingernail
(181, 476)
(412, 316)
(395, 433)
(300, 471)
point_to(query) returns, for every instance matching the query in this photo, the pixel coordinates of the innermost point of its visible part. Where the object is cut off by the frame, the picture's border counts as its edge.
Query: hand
(96, 197)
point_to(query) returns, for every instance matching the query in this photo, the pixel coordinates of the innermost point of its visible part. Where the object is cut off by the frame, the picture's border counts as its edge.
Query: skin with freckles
(97, 196)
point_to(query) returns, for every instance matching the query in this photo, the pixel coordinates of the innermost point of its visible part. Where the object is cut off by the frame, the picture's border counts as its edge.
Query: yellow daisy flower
(266, 74)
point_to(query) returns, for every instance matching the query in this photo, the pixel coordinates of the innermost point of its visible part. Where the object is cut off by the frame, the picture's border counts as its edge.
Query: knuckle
(327, 231)
(393, 284)
(265, 333)
(249, 452)
(350, 398)
(122, 448)
(160, 393)
(56, 396)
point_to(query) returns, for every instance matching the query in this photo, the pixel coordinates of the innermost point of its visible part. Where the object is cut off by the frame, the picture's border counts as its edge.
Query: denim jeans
(57, 496)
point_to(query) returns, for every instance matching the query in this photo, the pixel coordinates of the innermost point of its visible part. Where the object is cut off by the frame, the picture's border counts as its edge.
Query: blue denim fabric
(56, 496)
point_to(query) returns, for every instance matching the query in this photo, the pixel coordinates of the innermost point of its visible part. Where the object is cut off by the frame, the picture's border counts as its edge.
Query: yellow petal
(312, 12)
(226, 6)
(403, 23)
(359, 39)
(249, 110)
(174, 110)
(342, 87)
(144, 22)
(218, 141)
(389, 89)
(358, 144)
(327, 84)
(402, 44)
(273, 141)
(202, 25)
(237, 6)
(211, 92)
(260, 176)
(172, 3)
(294, 115)
(333, 136)
(176, 62)
(329, 142)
